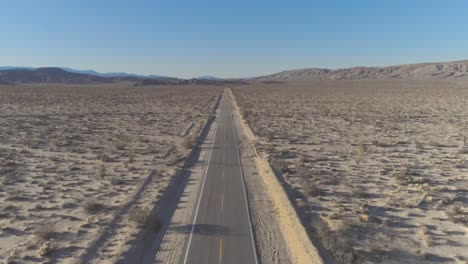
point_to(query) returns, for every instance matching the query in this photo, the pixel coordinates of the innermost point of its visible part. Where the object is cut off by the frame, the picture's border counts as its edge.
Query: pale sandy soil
(75, 161)
(377, 169)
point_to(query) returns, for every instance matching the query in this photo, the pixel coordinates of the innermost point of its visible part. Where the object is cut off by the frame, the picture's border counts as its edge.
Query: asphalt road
(221, 230)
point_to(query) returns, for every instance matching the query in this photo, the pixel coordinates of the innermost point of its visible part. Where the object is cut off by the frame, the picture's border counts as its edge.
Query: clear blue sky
(235, 38)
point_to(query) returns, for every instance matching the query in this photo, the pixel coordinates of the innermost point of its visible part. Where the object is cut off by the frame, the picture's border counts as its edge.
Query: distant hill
(90, 72)
(49, 75)
(207, 77)
(58, 75)
(2, 68)
(175, 81)
(445, 70)
(112, 74)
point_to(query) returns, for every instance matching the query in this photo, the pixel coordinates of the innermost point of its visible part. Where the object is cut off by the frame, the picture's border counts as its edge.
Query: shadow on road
(201, 229)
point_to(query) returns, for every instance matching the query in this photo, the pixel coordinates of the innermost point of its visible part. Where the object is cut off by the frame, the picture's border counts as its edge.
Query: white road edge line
(243, 183)
(201, 194)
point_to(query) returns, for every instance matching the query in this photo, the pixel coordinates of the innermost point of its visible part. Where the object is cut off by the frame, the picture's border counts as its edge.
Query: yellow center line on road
(222, 196)
(220, 251)
(222, 202)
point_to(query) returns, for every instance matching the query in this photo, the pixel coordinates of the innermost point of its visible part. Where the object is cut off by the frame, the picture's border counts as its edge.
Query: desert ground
(377, 169)
(82, 166)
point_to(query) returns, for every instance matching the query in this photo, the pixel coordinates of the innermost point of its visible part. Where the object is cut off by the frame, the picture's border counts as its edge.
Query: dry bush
(104, 157)
(311, 190)
(101, 171)
(359, 192)
(453, 211)
(146, 218)
(47, 248)
(189, 141)
(279, 165)
(360, 153)
(308, 184)
(174, 158)
(336, 242)
(401, 176)
(418, 144)
(377, 248)
(120, 145)
(46, 231)
(91, 206)
(463, 150)
(121, 142)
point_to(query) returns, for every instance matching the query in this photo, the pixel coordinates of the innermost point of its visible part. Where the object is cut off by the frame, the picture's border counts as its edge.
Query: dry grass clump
(104, 157)
(101, 171)
(311, 190)
(174, 158)
(190, 141)
(359, 192)
(46, 231)
(144, 217)
(360, 153)
(92, 206)
(463, 150)
(47, 248)
(336, 242)
(279, 164)
(453, 212)
(121, 142)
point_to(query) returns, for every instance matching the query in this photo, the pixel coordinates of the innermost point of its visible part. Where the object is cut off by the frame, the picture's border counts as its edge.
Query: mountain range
(25, 75)
(431, 71)
(443, 70)
(90, 72)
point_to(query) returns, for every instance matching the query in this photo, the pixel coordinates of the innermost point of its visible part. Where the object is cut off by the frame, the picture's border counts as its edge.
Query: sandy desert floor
(378, 169)
(72, 157)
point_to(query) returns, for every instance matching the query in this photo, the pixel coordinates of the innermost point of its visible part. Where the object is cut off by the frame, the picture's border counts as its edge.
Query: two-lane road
(221, 230)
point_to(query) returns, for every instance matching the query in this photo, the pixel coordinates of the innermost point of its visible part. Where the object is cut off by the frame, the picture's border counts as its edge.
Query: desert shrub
(146, 218)
(418, 145)
(91, 206)
(336, 242)
(189, 141)
(269, 134)
(45, 231)
(360, 153)
(131, 157)
(104, 157)
(101, 171)
(401, 176)
(120, 145)
(463, 150)
(311, 190)
(461, 163)
(453, 211)
(307, 183)
(121, 142)
(377, 248)
(381, 144)
(302, 171)
(174, 158)
(47, 248)
(358, 192)
(279, 165)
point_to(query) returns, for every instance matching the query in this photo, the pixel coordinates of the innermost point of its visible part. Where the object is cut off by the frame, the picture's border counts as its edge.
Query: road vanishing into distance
(222, 230)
